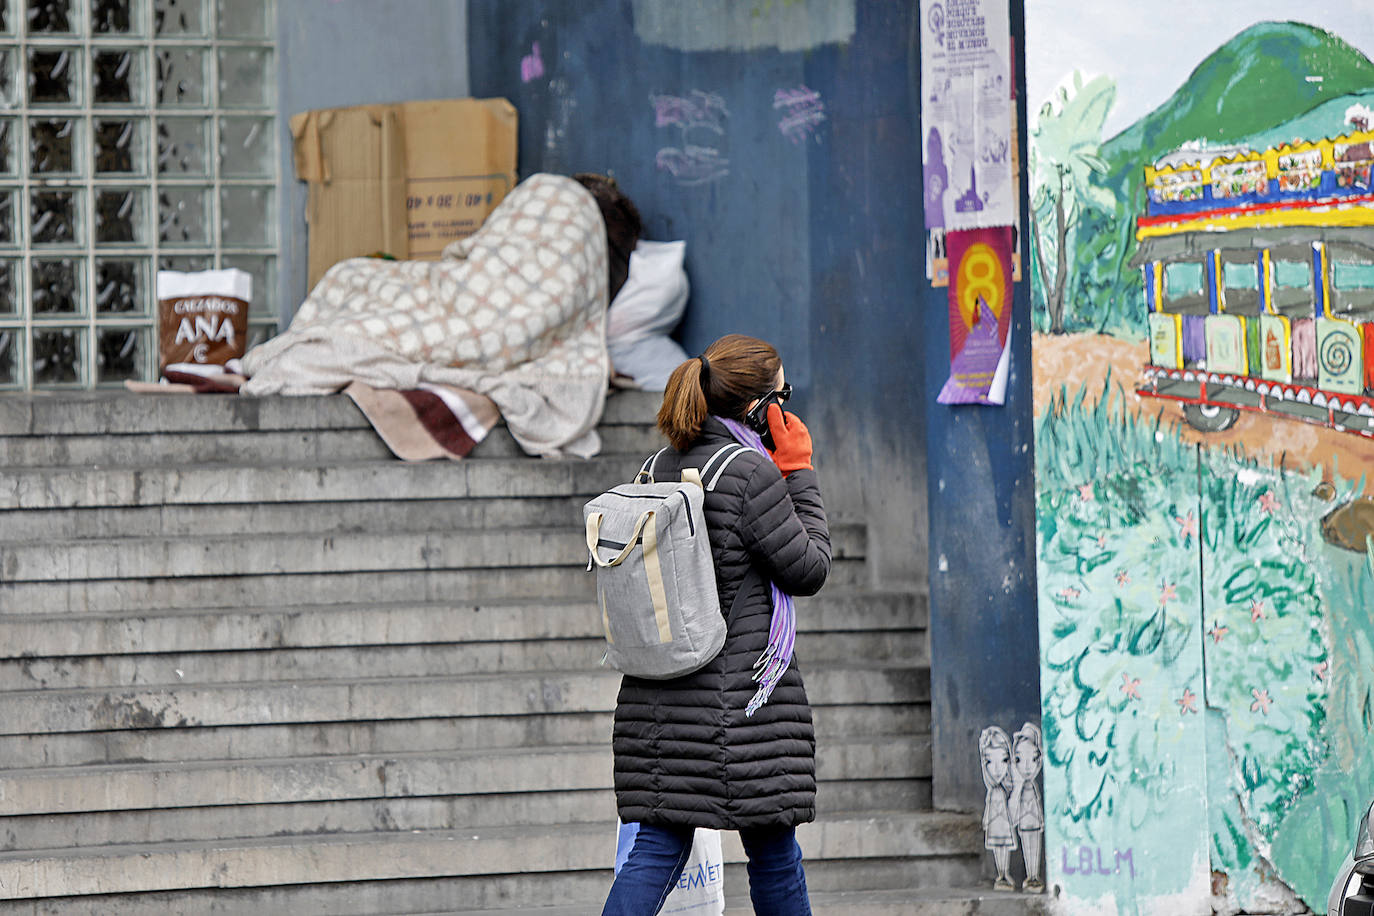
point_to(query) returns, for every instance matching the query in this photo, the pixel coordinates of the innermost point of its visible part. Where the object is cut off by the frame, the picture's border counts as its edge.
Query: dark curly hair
(623, 225)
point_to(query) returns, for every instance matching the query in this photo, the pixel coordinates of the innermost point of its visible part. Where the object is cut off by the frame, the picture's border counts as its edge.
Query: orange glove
(791, 441)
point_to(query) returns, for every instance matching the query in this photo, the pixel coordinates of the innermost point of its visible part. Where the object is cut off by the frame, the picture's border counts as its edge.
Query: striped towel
(430, 421)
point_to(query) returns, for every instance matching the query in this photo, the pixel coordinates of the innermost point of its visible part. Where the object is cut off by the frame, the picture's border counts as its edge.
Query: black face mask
(757, 418)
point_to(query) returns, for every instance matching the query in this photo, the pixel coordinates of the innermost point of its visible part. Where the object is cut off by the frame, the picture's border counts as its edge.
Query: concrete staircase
(250, 663)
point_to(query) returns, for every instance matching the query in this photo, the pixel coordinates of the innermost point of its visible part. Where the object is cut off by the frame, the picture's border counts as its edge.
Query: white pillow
(648, 306)
(648, 362)
(654, 295)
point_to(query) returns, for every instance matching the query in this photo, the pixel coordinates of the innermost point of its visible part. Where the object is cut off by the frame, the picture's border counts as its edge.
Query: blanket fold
(514, 313)
(432, 421)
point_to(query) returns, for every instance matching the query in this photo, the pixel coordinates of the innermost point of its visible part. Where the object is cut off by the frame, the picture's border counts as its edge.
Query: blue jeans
(777, 883)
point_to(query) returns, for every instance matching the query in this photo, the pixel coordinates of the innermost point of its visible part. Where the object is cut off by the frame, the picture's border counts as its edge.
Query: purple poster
(979, 316)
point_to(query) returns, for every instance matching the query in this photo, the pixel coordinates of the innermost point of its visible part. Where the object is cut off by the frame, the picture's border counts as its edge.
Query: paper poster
(966, 112)
(980, 294)
(937, 265)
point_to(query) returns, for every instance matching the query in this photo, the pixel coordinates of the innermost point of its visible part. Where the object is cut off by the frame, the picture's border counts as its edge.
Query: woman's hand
(791, 441)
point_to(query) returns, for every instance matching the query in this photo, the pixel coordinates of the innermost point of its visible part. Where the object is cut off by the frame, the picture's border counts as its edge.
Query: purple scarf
(782, 635)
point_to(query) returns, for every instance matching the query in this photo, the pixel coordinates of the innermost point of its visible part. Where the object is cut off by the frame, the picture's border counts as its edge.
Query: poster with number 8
(980, 293)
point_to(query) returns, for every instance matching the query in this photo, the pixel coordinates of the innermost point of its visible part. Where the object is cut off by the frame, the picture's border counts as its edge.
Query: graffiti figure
(1027, 810)
(994, 753)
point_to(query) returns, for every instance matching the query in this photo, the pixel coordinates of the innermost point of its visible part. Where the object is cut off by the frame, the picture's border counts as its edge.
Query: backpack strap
(712, 469)
(716, 466)
(647, 468)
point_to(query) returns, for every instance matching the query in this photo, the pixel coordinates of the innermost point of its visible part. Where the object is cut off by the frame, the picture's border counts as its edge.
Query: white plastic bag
(701, 889)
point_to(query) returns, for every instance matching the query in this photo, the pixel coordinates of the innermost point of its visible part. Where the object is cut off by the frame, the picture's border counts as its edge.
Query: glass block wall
(134, 135)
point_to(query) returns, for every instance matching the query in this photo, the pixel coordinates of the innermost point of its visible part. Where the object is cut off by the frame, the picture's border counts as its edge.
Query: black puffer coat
(685, 755)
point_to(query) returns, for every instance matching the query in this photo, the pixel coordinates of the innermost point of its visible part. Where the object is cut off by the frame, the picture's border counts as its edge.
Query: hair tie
(705, 370)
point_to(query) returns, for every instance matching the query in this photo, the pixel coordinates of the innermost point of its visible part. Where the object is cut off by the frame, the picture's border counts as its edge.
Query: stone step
(832, 885)
(315, 739)
(265, 447)
(448, 812)
(334, 481)
(428, 660)
(277, 781)
(289, 860)
(909, 901)
(142, 475)
(249, 703)
(331, 481)
(147, 558)
(133, 448)
(117, 412)
(374, 516)
(289, 590)
(366, 815)
(142, 632)
(311, 739)
(282, 781)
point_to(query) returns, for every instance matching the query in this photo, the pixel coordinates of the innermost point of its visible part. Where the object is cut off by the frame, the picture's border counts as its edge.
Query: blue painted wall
(817, 246)
(982, 539)
(332, 53)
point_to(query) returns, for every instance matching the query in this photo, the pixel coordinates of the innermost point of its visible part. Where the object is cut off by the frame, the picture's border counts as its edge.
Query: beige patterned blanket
(516, 312)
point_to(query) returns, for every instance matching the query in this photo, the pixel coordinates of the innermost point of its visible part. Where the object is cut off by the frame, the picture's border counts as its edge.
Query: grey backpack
(655, 577)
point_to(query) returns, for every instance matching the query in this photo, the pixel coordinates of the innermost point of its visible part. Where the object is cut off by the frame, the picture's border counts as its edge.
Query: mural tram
(1259, 280)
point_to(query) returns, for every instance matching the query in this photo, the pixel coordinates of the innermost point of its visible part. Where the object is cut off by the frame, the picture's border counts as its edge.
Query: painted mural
(1203, 283)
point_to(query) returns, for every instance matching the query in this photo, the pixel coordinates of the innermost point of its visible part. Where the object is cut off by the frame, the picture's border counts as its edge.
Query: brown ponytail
(741, 369)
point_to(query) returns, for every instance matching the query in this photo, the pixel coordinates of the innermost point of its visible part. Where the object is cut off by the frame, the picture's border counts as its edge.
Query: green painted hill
(1326, 120)
(1255, 81)
(1253, 89)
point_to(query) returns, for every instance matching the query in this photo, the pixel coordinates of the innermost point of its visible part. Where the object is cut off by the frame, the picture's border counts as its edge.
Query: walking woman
(731, 745)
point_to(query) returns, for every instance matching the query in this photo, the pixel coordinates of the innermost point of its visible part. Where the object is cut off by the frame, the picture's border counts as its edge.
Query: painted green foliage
(1121, 671)
(1266, 647)
(1267, 660)
(1064, 164)
(1153, 552)
(1318, 827)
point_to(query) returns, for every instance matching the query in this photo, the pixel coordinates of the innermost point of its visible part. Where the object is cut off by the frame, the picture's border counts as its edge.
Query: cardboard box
(405, 179)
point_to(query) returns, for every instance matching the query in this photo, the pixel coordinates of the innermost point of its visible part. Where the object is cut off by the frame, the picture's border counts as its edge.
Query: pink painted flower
(1217, 632)
(1169, 593)
(1085, 492)
(1123, 577)
(1269, 502)
(1187, 703)
(1256, 610)
(1187, 525)
(1262, 700)
(1130, 686)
